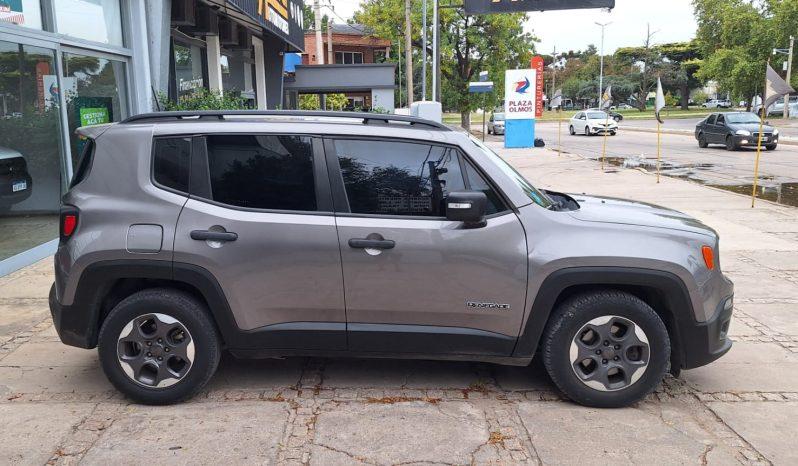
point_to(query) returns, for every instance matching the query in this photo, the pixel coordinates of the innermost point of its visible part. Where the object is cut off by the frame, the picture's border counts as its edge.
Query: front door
(414, 281)
(260, 221)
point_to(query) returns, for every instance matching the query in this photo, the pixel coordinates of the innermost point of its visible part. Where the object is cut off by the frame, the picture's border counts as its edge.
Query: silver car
(271, 234)
(496, 124)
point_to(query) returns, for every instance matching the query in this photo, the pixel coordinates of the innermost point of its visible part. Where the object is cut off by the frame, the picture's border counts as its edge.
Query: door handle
(362, 243)
(207, 235)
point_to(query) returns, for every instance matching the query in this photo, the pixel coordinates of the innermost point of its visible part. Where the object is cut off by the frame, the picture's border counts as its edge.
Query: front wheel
(606, 349)
(730, 145)
(571, 130)
(159, 346)
(771, 147)
(702, 141)
(587, 130)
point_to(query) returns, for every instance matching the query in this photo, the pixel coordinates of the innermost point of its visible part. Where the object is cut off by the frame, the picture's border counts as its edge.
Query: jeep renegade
(272, 234)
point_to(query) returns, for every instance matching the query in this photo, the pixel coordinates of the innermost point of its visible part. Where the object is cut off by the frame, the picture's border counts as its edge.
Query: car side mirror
(468, 207)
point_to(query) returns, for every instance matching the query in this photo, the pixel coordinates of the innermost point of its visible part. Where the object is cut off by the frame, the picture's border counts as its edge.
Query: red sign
(537, 65)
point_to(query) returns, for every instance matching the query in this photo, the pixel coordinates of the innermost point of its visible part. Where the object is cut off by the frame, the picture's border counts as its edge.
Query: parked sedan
(15, 182)
(592, 122)
(496, 124)
(735, 130)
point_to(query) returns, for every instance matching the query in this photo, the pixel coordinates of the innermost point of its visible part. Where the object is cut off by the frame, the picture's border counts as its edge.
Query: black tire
(571, 130)
(730, 145)
(702, 141)
(612, 133)
(771, 146)
(189, 312)
(573, 315)
(587, 131)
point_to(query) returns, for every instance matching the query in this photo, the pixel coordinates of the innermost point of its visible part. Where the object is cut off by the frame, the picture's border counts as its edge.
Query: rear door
(426, 285)
(710, 130)
(260, 221)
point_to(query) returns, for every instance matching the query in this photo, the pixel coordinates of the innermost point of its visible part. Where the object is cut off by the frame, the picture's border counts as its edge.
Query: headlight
(743, 132)
(775, 132)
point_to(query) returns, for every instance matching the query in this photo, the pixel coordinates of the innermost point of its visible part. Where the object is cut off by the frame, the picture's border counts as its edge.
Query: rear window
(84, 163)
(171, 158)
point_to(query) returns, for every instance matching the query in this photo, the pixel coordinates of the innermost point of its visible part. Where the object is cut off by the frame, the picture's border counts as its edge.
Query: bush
(670, 100)
(309, 102)
(699, 97)
(203, 99)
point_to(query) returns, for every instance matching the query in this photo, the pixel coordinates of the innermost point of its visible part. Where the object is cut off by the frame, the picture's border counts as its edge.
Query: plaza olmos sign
(480, 7)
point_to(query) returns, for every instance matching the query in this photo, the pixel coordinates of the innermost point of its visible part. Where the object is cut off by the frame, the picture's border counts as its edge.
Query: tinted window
(84, 164)
(398, 178)
(711, 120)
(171, 158)
(262, 172)
(721, 120)
(478, 183)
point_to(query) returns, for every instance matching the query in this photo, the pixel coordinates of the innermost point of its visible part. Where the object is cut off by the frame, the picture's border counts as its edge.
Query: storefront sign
(94, 116)
(537, 65)
(282, 17)
(11, 12)
(519, 94)
(478, 7)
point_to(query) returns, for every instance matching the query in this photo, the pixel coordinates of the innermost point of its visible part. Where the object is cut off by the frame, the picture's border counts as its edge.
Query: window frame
(338, 187)
(343, 57)
(200, 180)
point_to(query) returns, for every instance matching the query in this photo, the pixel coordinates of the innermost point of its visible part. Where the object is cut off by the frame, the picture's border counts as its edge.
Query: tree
(308, 19)
(646, 65)
(685, 59)
(469, 44)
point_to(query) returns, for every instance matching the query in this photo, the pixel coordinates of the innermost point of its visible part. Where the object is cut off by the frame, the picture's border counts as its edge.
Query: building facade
(71, 63)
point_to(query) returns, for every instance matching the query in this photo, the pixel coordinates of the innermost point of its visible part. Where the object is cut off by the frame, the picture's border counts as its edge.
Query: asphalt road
(681, 157)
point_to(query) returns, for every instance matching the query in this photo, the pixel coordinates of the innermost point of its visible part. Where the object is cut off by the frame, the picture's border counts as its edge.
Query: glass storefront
(189, 63)
(31, 152)
(94, 20)
(25, 13)
(95, 93)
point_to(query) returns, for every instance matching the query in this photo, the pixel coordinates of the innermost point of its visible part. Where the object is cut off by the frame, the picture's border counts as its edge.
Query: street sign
(480, 87)
(479, 7)
(483, 76)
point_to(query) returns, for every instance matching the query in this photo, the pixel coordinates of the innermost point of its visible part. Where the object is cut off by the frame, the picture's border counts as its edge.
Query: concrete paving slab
(242, 374)
(80, 382)
(193, 433)
(563, 433)
(31, 285)
(414, 432)
(50, 354)
(780, 317)
(748, 367)
(32, 431)
(762, 284)
(738, 328)
(769, 426)
(396, 373)
(782, 261)
(533, 377)
(18, 317)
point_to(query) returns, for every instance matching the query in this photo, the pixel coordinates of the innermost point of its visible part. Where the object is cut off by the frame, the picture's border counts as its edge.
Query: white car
(592, 122)
(716, 103)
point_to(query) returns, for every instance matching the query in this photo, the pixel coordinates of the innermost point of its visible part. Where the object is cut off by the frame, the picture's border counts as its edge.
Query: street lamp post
(787, 51)
(601, 61)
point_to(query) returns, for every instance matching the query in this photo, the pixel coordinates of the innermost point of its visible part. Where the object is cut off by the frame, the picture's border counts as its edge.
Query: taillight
(69, 222)
(709, 257)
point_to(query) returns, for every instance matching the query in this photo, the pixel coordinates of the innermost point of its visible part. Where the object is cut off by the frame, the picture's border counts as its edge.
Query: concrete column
(157, 14)
(214, 64)
(260, 74)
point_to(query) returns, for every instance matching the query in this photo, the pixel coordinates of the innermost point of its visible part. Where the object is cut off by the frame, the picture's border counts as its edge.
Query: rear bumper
(74, 328)
(704, 342)
(7, 195)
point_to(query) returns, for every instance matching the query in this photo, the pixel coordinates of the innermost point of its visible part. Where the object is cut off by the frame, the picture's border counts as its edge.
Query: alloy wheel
(609, 353)
(155, 350)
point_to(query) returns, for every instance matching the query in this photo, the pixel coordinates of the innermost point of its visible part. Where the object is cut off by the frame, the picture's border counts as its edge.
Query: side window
(262, 171)
(398, 178)
(721, 120)
(478, 183)
(171, 159)
(84, 164)
(711, 120)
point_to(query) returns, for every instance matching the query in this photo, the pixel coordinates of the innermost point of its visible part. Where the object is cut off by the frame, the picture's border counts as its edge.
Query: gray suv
(271, 234)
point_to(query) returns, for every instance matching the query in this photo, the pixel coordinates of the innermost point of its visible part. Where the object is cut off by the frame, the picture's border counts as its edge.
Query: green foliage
(700, 97)
(469, 44)
(336, 101)
(670, 100)
(332, 101)
(203, 99)
(309, 102)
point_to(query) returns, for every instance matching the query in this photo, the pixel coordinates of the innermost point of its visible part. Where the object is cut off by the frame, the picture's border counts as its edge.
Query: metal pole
(424, 50)
(436, 53)
(484, 111)
(399, 52)
(330, 55)
(759, 138)
(317, 26)
(601, 62)
(408, 54)
(789, 74)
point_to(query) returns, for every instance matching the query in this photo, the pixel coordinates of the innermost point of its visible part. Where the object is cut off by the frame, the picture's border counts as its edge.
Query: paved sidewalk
(57, 406)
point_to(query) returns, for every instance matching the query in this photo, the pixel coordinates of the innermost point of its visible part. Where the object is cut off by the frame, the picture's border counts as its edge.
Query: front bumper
(601, 129)
(498, 130)
(703, 342)
(751, 141)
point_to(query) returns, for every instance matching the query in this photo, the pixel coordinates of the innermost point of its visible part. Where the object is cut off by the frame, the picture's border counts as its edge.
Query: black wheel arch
(665, 292)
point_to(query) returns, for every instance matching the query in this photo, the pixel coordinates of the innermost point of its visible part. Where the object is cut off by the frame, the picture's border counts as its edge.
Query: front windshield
(537, 197)
(742, 118)
(597, 115)
(498, 116)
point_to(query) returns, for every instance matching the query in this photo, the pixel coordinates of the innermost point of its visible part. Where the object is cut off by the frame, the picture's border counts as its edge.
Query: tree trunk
(465, 120)
(685, 96)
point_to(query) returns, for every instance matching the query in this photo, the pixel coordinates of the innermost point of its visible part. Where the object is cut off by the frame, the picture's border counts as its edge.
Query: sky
(575, 29)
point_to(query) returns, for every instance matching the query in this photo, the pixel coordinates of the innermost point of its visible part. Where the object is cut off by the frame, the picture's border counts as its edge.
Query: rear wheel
(159, 346)
(730, 145)
(606, 349)
(702, 141)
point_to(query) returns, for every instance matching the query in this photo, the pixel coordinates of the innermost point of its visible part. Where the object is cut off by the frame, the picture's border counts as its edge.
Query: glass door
(31, 152)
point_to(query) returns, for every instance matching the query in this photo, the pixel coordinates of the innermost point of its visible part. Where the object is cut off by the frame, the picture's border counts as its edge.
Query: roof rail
(367, 118)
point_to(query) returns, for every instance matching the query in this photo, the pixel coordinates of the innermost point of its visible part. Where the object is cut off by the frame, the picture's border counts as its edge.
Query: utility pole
(789, 74)
(601, 61)
(399, 70)
(317, 25)
(424, 50)
(330, 56)
(553, 74)
(408, 54)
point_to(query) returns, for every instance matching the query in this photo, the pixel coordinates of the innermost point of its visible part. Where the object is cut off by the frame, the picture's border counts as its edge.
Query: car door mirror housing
(468, 207)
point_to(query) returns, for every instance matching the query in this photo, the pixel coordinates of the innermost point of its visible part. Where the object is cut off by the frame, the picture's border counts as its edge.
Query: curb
(684, 132)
